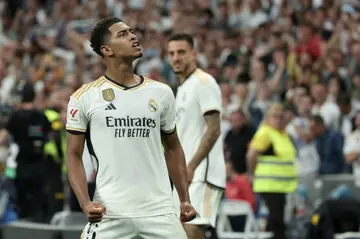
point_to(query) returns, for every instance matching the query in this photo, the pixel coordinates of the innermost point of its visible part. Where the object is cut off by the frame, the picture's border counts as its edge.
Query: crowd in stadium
(302, 53)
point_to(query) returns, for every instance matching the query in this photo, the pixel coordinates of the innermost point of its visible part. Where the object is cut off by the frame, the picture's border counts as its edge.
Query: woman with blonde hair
(271, 165)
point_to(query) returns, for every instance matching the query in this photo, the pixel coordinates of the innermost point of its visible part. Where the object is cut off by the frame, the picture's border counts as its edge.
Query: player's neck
(185, 75)
(121, 72)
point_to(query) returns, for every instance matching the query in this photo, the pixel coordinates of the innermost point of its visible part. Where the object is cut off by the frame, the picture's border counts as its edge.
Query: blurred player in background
(198, 105)
(123, 116)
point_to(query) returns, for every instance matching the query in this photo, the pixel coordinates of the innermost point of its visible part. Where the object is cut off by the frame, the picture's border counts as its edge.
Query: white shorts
(158, 227)
(205, 198)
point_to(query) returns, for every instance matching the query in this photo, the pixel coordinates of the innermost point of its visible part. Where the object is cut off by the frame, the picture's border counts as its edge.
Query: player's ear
(106, 50)
(194, 55)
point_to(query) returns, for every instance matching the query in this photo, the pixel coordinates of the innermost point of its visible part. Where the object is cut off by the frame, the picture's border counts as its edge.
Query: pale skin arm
(212, 133)
(175, 161)
(3, 136)
(75, 167)
(351, 157)
(251, 158)
(306, 136)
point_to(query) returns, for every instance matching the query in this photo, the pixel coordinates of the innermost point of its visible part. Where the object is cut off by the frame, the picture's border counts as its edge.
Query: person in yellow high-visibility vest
(54, 150)
(271, 165)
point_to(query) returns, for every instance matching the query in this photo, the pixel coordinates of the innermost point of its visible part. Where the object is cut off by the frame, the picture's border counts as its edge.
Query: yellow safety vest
(50, 147)
(275, 170)
(63, 148)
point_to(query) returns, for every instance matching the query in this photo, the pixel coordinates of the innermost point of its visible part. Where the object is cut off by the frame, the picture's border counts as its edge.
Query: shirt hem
(131, 215)
(211, 109)
(76, 129)
(216, 185)
(168, 132)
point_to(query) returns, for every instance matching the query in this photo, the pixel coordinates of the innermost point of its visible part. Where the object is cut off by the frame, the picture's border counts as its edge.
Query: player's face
(122, 42)
(181, 55)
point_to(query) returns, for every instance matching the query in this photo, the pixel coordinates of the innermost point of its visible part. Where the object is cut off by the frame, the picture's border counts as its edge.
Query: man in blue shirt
(329, 144)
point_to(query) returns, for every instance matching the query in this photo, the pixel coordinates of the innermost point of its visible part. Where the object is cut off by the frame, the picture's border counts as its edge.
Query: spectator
(271, 157)
(307, 157)
(227, 104)
(238, 187)
(237, 140)
(29, 129)
(337, 86)
(347, 113)
(241, 88)
(352, 148)
(356, 89)
(329, 144)
(327, 110)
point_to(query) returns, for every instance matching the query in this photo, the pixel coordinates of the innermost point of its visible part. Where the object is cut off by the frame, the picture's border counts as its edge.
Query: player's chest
(187, 98)
(122, 104)
(186, 105)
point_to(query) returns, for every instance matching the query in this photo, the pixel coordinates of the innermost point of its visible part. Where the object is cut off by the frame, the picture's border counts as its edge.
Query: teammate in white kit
(198, 106)
(124, 118)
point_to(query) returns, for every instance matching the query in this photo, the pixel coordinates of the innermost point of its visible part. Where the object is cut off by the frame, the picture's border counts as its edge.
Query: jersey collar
(124, 87)
(188, 76)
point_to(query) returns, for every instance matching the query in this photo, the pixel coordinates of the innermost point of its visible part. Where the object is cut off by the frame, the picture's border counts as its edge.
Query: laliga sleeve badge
(73, 115)
(108, 95)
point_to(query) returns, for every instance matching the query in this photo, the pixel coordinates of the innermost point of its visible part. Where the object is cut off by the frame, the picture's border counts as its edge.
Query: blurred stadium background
(259, 51)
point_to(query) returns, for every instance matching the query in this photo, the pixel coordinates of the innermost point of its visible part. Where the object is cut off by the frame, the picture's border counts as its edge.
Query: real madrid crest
(108, 95)
(152, 105)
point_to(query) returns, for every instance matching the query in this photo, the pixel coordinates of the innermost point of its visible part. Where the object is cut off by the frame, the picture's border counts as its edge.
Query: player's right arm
(75, 167)
(76, 127)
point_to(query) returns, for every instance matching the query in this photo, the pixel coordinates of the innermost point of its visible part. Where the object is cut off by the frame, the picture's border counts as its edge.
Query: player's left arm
(174, 155)
(175, 161)
(210, 103)
(212, 133)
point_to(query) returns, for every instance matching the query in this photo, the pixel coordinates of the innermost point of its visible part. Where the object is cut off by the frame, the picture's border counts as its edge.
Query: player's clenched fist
(94, 211)
(187, 212)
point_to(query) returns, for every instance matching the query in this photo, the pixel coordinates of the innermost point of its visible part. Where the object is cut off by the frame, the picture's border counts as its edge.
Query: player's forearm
(176, 165)
(251, 158)
(207, 143)
(351, 157)
(77, 179)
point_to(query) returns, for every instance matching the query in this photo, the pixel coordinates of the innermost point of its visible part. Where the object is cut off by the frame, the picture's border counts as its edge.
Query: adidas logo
(110, 107)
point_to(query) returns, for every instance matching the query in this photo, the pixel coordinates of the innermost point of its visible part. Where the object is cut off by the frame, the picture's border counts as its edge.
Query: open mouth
(136, 44)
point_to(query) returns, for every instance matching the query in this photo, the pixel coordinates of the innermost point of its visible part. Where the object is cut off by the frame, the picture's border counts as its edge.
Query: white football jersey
(199, 94)
(122, 126)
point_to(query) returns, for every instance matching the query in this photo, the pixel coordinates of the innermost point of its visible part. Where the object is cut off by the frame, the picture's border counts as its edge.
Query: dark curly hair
(100, 32)
(182, 37)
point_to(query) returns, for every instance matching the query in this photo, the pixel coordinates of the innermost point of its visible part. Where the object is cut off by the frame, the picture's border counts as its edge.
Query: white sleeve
(350, 145)
(168, 114)
(290, 129)
(76, 118)
(209, 97)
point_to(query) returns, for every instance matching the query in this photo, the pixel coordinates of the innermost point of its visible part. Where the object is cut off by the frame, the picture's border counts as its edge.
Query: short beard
(186, 67)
